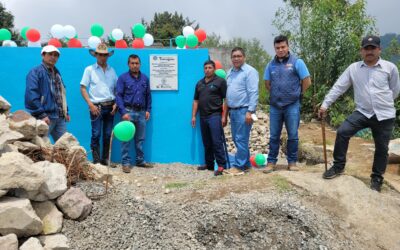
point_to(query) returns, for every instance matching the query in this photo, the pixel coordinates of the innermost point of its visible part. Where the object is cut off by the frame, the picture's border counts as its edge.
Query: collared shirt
(375, 88)
(133, 92)
(210, 95)
(101, 83)
(58, 91)
(242, 87)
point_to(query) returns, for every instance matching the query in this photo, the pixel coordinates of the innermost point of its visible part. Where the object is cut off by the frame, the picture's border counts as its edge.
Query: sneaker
(205, 167)
(269, 168)
(126, 169)
(144, 165)
(220, 171)
(293, 167)
(234, 171)
(332, 173)
(376, 184)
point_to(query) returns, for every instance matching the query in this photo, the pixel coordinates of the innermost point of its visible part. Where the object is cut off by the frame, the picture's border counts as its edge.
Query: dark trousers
(101, 123)
(211, 133)
(381, 131)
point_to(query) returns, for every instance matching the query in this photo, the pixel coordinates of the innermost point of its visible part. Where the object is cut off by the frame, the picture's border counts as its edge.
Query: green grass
(176, 185)
(281, 183)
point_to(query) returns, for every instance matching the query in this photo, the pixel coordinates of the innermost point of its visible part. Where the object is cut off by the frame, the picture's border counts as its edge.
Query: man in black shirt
(209, 97)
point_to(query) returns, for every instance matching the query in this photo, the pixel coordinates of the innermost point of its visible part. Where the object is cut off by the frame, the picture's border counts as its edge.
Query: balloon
(138, 30)
(221, 73)
(188, 30)
(33, 35)
(69, 31)
(260, 159)
(111, 38)
(138, 43)
(93, 41)
(252, 161)
(192, 41)
(218, 64)
(23, 32)
(74, 43)
(201, 35)
(55, 42)
(121, 44)
(180, 48)
(97, 30)
(148, 39)
(37, 44)
(9, 43)
(124, 131)
(57, 31)
(180, 41)
(117, 34)
(5, 34)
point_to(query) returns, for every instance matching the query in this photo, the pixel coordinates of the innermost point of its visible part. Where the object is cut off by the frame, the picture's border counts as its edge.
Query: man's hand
(94, 109)
(322, 112)
(248, 118)
(224, 121)
(126, 117)
(193, 121)
(147, 115)
(46, 120)
(114, 109)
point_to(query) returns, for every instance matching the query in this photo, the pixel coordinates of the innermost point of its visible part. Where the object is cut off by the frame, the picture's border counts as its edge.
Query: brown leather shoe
(126, 169)
(269, 168)
(293, 167)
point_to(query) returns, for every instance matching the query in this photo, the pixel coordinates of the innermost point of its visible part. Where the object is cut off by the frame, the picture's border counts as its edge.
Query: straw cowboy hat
(101, 49)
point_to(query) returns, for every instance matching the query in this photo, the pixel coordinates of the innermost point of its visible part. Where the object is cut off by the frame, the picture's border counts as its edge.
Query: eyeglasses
(237, 56)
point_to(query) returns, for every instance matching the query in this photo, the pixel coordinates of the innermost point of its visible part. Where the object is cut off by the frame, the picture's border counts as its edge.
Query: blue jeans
(290, 115)
(211, 133)
(240, 134)
(139, 119)
(103, 122)
(57, 128)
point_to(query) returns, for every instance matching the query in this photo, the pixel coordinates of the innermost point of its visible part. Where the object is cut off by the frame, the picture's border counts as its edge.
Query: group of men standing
(375, 82)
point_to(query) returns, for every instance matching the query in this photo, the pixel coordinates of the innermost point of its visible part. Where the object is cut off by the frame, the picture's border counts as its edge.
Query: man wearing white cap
(45, 95)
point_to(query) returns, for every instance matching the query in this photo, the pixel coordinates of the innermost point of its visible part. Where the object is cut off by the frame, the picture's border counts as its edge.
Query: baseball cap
(50, 48)
(371, 41)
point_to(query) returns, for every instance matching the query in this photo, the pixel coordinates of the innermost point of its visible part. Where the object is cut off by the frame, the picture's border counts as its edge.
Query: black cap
(371, 41)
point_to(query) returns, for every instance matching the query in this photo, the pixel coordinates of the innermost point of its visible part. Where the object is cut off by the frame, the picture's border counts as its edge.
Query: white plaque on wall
(164, 72)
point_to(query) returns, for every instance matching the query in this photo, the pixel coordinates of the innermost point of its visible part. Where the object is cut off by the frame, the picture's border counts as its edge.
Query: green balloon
(110, 37)
(97, 30)
(260, 159)
(23, 32)
(192, 40)
(221, 73)
(67, 39)
(5, 34)
(139, 30)
(124, 131)
(180, 41)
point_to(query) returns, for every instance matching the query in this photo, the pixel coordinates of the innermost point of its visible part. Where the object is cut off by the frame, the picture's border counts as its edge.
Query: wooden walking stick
(324, 141)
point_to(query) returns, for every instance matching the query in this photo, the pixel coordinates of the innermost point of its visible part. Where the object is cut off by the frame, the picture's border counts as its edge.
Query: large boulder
(54, 185)
(394, 151)
(52, 218)
(101, 173)
(18, 171)
(66, 141)
(31, 244)
(43, 142)
(6, 134)
(42, 128)
(4, 105)
(9, 242)
(3, 192)
(25, 146)
(75, 204)
(55, 242)
(17, 216)
(24, 123)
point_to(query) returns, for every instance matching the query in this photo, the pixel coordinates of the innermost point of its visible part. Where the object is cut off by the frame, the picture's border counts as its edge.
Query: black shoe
(205, 167)
(332, 173)
(104, 162)
(376, 184)
(144, 165)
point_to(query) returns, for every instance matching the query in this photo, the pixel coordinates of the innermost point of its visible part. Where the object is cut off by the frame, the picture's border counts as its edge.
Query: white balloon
(117, 34)
(9, 43)
(148, 39)
(93, 41)
(180, 48)
(37, 44)
(57, 31)
(187, 31)
(69, 31)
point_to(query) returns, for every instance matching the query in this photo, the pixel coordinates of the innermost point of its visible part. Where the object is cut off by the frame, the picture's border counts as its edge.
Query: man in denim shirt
(134, 104)
(100, 79)
(45, 96)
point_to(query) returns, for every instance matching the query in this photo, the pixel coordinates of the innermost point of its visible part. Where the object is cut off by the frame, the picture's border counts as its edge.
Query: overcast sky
(228, 18)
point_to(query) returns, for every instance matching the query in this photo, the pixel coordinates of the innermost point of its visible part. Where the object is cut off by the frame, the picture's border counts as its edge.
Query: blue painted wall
(169, 136)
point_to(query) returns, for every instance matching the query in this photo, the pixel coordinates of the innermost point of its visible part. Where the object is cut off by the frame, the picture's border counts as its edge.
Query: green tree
(166, 26)
(326, 34)
(7, 22)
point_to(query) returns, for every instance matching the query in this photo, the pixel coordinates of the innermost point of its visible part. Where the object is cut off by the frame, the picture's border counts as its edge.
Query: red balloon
(138, 43)
(55, 42)
(121, 44)
(74, 43)
(201, 35)
(253, 161)
(218, 64)
(33, 35)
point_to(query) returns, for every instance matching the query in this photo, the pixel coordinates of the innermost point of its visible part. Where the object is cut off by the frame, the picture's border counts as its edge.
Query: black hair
(133, 56)
(281, 38)
(238, 49)
(211, 62)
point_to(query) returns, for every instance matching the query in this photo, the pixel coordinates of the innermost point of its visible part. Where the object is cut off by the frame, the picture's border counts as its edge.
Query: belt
(242, 107)
(108, 103)
(134, 108)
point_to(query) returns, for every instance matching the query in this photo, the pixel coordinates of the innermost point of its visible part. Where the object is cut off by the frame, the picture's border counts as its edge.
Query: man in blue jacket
(286, 78)
(133, 99)
(45, 95)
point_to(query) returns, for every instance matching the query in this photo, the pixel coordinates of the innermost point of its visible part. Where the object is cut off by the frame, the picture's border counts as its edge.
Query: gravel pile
(266, 219)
